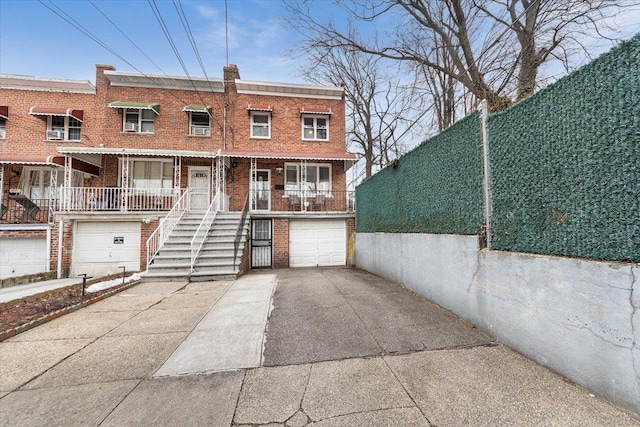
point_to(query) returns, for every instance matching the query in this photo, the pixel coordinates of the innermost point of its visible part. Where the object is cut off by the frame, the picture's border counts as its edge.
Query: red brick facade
(230, 100)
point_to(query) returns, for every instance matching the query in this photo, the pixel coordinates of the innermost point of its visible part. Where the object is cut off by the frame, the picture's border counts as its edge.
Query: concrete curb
(4, 335)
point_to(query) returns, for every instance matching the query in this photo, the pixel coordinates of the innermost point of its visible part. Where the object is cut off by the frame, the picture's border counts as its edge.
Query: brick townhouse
(180, 177)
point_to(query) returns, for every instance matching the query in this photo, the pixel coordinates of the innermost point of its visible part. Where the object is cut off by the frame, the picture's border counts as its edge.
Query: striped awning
(319, 111)
(350, 157)
(197, 109)
(51, 111)
(255, 107)
(155, 107)
(48, 160)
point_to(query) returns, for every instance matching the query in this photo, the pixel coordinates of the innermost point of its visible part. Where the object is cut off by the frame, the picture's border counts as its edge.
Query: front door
(261, 243)
(261, 185)
(199, 184)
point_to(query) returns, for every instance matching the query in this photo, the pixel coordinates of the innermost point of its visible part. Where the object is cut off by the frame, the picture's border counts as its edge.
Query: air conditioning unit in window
(55, 134)
(130, 127)
(200, 131)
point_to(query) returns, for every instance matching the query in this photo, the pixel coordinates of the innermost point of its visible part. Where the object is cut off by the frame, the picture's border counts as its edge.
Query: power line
(125, 36)
(165, 30)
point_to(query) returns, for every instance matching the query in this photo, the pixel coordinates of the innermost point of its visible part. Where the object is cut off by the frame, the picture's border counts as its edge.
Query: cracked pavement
(341, 347)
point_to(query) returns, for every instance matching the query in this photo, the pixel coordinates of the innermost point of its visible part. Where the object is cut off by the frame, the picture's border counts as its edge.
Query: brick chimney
(230, 73)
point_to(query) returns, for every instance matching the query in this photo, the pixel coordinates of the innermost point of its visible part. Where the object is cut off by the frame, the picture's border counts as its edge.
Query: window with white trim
(35, 182)
(150, 173)
(315, 128)
(63, 127)
(199, 124)
(138, 120)
(3, 128)
(260, 125)
(315, 179)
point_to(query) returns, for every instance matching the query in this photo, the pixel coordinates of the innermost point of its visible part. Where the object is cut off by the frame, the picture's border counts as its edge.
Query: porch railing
(304, 201)
(22, 210)
(200, 236)
(167, 224)
(88, 199)
(243, 218)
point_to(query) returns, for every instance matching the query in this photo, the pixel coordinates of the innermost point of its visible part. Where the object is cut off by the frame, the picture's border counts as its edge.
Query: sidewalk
(11, 293)
(343, 348)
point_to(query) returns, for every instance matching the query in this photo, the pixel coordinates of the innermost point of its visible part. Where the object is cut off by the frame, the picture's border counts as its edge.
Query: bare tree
(495, 47)
(380, 111)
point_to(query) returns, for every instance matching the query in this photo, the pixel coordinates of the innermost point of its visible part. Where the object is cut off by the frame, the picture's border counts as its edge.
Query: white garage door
(22, 256)
(317, 243)
(100, 248)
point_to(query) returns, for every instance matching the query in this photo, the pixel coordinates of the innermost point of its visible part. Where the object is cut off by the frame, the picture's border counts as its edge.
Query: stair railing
(166, 226)
(200, 235)
(236, 241)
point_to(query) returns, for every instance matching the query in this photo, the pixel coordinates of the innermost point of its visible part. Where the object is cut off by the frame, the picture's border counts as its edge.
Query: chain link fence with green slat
(565, 171)
(436, 188)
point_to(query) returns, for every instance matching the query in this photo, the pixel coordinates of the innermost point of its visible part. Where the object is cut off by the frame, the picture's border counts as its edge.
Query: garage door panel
(96, 253)
(317, 243)
(19, 257)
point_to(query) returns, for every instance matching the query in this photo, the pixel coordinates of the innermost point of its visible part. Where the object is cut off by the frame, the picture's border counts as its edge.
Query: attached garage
(101, 248)
(317, 243)
(20, 256)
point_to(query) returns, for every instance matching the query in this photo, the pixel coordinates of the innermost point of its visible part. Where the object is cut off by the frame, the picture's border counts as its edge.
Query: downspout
(48, 248)
(486, 172)
(60, 234)
(224, 127)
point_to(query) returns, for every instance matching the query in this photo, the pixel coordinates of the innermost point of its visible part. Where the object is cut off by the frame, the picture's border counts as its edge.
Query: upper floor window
(315, 128)
(150, 173)
(63, 127)
(138, 120)
(4, 113)
(260, 125)
(199, 124)
(314, 179)
(36, 182)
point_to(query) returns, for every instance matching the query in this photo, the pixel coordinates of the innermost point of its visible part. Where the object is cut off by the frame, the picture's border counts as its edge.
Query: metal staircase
(216, 258)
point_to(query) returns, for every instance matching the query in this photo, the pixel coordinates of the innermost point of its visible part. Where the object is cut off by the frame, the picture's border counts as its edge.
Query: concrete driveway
(341, 348)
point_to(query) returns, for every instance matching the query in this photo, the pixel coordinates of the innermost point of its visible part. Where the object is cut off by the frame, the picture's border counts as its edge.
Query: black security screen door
(261, 241)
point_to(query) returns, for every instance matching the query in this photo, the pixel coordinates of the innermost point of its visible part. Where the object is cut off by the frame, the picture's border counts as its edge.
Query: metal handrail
(236, 241)
(166, 226)
(200, 235)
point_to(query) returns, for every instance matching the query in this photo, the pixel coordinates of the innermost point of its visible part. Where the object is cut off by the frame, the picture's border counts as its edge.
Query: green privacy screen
(565, 171)
(565, 164)
(436, 188)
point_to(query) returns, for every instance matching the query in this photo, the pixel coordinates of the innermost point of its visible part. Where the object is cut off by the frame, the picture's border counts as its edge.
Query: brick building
(99, 178)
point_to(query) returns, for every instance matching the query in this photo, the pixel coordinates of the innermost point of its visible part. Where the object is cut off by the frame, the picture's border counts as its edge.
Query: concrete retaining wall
(577, 317)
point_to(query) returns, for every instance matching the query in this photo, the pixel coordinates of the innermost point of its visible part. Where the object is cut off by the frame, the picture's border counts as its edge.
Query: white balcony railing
(85, 199)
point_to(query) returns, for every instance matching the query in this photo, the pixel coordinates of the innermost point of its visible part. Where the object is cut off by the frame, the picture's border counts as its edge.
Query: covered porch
(287, 183)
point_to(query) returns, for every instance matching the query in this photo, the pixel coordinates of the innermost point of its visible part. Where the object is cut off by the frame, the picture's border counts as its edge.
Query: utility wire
(187, 29)
(165, 30)
(126, 37)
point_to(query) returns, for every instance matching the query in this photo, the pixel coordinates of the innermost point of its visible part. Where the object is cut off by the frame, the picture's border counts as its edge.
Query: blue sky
(35, 41)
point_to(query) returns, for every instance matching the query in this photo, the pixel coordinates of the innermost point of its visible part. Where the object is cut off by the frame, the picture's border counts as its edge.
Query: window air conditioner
(130, 127)
(55, 134)
(201, 131)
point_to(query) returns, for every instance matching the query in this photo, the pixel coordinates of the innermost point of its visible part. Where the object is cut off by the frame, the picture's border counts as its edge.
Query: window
(3, 128)
(138, 120)
(145, 173)
(199, 124)
(315, 128)
(314, 179)
(260, 125)
(63, 127)
(35, 183)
